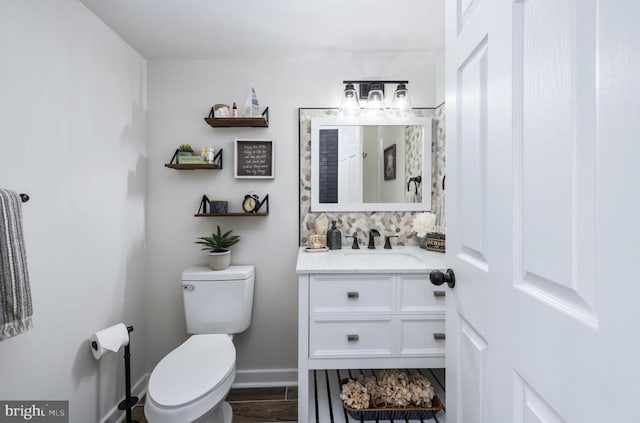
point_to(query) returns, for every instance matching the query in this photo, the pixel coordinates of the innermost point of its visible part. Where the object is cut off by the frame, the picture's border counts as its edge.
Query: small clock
(250, 204)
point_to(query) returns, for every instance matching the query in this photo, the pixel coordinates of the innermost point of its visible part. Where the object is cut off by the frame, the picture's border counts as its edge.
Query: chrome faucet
(372, 233)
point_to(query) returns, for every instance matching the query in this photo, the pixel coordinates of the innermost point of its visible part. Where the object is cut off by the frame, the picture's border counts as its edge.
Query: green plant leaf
(218, 242)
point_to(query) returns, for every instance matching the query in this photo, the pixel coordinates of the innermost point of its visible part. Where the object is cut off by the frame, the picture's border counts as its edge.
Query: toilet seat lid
(193, 369)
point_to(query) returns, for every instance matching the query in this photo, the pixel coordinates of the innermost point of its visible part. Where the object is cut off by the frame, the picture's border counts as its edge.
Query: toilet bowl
(191, 382)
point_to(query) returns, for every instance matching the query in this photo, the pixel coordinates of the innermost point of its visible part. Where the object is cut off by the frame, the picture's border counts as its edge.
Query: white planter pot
(220, 261)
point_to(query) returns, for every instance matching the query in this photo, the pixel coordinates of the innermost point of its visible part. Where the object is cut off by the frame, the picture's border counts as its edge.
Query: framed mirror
(370, 164)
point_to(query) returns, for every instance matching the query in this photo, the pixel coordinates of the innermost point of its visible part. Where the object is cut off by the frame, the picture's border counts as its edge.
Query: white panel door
(350, 165)
(542, 211)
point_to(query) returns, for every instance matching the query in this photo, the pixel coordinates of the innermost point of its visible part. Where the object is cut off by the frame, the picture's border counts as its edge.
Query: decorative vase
(219, 260)
(422, 242)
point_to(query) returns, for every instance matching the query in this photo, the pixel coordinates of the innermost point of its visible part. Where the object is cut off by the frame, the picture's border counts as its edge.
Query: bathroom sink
(380, 259)
(404, 259)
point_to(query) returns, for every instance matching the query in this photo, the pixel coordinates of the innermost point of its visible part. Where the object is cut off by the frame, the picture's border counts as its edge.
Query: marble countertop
(408, 259)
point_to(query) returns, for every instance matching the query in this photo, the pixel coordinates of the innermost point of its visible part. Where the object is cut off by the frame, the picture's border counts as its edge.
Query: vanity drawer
(340, 295)
(418, 296)
(349, 339)
(422, 337)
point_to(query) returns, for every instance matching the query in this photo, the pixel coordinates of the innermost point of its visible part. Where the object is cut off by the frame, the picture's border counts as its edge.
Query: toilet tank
(218, 301)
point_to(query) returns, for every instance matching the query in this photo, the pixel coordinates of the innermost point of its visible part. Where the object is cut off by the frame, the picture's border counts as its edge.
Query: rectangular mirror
(370, 164)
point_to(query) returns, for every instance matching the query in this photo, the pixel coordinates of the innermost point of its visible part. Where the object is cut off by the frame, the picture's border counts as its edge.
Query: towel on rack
(15, 295)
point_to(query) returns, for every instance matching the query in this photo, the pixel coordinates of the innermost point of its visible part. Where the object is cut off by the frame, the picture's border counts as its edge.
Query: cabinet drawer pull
(353, 294)
(439, 293)
(439, 336)
(353, 338)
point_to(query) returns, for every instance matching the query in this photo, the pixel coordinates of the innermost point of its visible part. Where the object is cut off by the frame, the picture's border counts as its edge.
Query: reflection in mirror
(370, 164)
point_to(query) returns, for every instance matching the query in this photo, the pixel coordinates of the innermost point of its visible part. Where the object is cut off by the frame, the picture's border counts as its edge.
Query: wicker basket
(394, 413)
(435, 242)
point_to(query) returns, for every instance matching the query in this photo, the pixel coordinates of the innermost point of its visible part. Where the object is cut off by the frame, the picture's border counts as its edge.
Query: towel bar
(25, 197)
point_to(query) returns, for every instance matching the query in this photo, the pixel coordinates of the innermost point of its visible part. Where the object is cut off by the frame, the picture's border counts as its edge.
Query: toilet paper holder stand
(129, 401)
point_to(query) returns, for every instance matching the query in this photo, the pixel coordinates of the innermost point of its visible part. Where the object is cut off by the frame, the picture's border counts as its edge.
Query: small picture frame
(389, 162)
(254, 159)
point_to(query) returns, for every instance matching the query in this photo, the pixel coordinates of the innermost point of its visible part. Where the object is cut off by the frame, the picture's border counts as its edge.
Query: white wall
(180, 95)
(371, 165)
(392, 190)
(72, 136)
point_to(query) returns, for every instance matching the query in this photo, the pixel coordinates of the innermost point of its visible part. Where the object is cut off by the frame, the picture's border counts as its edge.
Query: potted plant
(185, 150)
(218, 246)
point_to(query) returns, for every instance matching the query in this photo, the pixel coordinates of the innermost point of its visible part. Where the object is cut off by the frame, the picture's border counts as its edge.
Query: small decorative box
(218, 207)
(190, 159)
(436, 242)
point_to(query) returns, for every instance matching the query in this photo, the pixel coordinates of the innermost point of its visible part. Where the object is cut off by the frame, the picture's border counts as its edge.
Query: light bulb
(350, 105)
(375, 101)
(401, 102)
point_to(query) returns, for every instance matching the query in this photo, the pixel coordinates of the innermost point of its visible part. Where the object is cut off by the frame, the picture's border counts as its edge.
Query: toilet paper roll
(109, 340)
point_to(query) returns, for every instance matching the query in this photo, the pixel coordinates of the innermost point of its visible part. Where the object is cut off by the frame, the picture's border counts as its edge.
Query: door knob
(438, 278)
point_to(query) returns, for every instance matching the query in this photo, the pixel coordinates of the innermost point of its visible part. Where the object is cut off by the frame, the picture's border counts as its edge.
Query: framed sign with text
(254, 159)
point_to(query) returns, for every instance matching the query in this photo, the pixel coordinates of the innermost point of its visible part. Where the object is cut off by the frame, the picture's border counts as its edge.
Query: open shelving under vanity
(325, 405)
(365, 309)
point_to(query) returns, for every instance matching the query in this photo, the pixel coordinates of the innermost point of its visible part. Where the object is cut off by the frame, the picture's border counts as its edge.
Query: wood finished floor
(260, 405)
(267, 405)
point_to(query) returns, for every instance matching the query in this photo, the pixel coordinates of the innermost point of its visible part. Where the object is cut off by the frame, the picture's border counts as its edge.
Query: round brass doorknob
(438, 278)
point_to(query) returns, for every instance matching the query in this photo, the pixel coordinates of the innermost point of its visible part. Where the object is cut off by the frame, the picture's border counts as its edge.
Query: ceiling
(235, 29)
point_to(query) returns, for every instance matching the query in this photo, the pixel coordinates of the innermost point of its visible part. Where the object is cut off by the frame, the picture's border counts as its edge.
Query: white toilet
(192, 381)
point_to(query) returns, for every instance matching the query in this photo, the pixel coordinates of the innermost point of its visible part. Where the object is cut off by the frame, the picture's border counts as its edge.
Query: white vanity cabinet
(358, 315)
(363, 316)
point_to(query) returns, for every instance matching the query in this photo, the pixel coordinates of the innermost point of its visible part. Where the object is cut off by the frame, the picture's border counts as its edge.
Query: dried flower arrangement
(389, 390)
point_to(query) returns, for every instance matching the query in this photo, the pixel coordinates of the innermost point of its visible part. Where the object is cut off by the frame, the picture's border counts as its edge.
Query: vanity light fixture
(375, 100)
(350, 105)
(372, 96)
(401, 102)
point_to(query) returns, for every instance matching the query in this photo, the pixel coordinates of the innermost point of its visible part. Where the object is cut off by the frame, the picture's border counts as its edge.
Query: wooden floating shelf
(231, 214)
(192, 166)
(239, 122)
(173, 163)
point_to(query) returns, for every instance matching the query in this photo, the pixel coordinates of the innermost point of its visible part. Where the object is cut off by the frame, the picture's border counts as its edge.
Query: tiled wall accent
(389, 223)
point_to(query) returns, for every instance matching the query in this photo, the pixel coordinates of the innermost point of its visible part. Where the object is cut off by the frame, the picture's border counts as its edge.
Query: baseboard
(263, 378)
(139, 389)
(257, 378)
